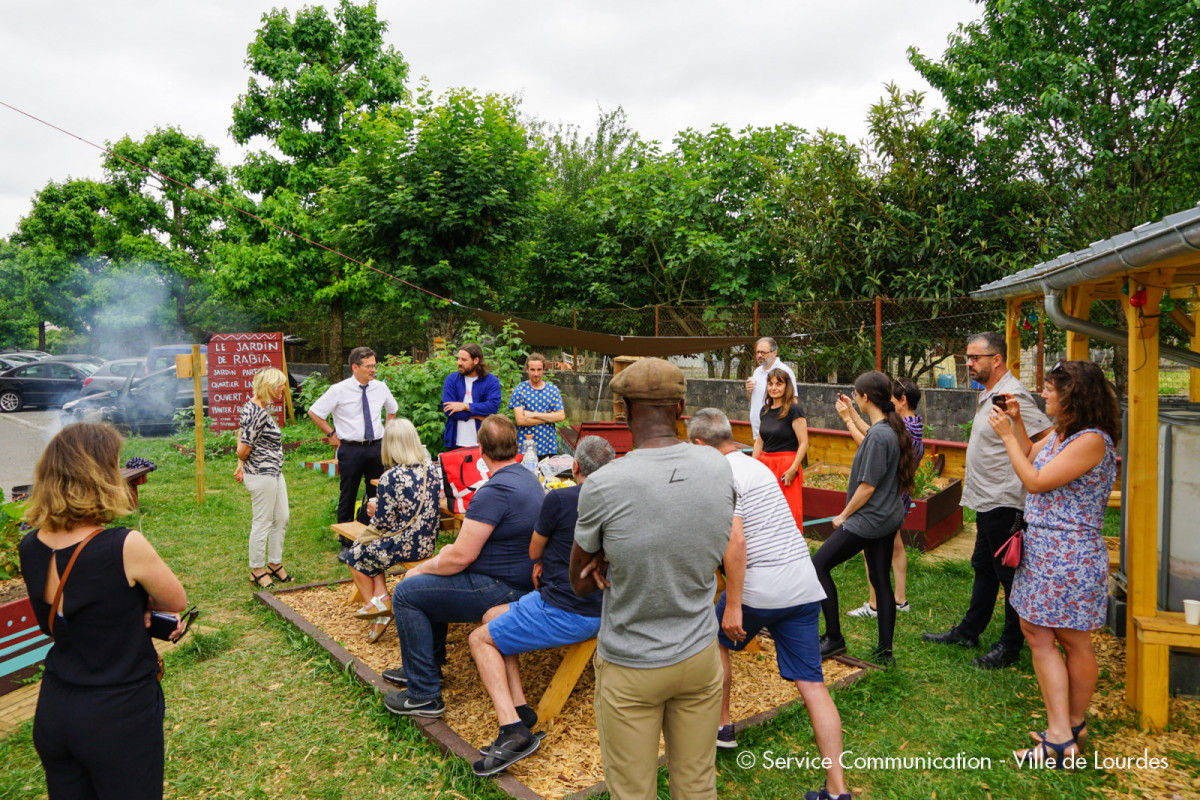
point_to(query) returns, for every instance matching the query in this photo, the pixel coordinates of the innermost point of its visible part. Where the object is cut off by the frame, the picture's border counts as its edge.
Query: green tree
(17, 318)
(696, 225)
(1098, 101)
(59, 255)
(309, 75)
(439, 194)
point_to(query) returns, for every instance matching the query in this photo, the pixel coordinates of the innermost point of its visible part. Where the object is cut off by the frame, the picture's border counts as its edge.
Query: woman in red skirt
(783, 439)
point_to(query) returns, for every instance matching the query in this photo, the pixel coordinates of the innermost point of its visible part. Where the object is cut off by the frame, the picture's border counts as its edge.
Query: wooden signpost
(236, 358)
(194, 367)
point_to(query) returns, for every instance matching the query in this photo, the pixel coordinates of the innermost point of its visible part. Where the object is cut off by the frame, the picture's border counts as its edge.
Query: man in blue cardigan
(468, 395)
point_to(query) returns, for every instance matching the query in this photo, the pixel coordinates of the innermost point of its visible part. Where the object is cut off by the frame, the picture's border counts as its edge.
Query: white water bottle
(530, 459)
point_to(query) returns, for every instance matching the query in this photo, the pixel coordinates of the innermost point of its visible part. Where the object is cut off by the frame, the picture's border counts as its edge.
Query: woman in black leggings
(883, 469)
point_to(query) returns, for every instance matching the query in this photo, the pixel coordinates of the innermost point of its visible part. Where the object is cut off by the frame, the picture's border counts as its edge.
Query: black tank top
(100, 639)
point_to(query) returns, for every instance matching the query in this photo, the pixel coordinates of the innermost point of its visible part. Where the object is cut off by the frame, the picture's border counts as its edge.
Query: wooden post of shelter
(1194, 374)
(656, 320)
(1041, 358)
(756, 320)
(1078, 303)
(1012, 335)
(575, 348)
(1143, 664)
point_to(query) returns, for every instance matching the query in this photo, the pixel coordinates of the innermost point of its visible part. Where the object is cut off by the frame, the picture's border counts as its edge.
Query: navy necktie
(368, 430)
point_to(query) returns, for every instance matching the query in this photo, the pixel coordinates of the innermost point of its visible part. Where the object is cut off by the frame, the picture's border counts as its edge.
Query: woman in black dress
(98, 728)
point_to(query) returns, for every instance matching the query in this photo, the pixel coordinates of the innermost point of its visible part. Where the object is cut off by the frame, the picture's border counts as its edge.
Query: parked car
(112, 375)
(76, 358)
(16, 358)
(42, 383)
(143, 405)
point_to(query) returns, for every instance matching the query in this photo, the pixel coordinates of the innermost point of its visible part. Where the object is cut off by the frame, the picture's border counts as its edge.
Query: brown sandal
(257, 580)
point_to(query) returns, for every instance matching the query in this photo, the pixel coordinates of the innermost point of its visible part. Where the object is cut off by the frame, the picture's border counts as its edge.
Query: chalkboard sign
(233, 360)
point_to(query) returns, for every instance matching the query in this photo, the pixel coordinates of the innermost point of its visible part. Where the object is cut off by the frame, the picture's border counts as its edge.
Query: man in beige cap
(658, 520)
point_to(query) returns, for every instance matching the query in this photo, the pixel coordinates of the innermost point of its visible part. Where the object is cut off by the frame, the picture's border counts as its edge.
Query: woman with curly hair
(98, 728)
(1060, 589)
(782, 440)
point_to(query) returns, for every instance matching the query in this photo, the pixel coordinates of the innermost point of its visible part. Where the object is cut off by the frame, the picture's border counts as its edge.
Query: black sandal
(503, 754)
(257, 580)
(284, 578)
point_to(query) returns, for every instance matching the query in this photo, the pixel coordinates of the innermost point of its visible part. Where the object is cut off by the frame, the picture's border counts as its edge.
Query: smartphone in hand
(999, 402)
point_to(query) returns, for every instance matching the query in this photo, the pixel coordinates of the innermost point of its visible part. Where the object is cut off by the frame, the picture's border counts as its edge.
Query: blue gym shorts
(795, 631)
(532, 624)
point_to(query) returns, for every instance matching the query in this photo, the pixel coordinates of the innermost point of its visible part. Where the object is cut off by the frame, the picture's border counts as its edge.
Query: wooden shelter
(1139, 268)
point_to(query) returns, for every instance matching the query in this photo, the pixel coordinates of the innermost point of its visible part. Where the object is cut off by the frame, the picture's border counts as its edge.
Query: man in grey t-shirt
(992, 488)
(659, 519)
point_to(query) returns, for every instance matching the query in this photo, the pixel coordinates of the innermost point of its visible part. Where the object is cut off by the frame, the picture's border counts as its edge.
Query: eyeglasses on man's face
(972, 357)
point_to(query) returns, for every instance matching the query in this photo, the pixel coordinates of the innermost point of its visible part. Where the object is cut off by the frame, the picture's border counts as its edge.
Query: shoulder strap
(62, 581)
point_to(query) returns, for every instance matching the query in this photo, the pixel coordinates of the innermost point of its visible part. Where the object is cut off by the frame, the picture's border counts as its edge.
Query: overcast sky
(103, 70)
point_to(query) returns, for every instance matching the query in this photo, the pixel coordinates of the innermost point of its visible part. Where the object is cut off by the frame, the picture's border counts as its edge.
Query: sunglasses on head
(1060, 368)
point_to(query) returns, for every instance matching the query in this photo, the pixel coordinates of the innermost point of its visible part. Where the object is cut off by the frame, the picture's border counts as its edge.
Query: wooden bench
(1164, 630)
(574, 662)
(576, 659)
(349, 532)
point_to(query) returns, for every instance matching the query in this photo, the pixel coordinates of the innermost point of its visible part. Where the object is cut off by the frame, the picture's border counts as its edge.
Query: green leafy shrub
(417, 386)
(10, 537)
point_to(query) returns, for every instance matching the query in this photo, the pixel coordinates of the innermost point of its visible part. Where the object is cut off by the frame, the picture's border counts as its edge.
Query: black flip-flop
(499, 759)
(539, 735)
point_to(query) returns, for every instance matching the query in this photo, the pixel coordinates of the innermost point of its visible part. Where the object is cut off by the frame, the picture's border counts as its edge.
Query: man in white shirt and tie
(766, 353)
(355, 404)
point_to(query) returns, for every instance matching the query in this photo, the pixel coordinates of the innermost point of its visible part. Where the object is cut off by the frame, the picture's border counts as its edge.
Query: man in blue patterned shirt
(536, 406)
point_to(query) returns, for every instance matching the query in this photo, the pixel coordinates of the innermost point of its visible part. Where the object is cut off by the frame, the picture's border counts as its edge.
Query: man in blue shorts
(770, 583)
(553, 616)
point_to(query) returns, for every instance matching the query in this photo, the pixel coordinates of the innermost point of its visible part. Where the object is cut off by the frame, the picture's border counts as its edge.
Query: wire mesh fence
(825, 342)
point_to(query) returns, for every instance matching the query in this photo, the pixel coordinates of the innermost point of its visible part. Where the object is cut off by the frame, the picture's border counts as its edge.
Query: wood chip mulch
(569, 758)
(12, 589)
(1177, 780)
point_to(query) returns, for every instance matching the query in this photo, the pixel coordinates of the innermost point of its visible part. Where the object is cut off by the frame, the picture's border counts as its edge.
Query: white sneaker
(864, 610)
(903, 606)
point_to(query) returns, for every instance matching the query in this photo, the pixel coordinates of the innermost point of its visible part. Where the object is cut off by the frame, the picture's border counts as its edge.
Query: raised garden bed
(568, 762)
(935, 518)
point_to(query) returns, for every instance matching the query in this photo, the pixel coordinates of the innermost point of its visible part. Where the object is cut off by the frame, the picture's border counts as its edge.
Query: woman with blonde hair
(782, 440)
(98, 728)
(404, 522)
(260, 468)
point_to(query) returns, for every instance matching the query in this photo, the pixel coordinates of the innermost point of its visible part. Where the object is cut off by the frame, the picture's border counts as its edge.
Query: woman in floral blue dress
(404, 521)
(1061, 587)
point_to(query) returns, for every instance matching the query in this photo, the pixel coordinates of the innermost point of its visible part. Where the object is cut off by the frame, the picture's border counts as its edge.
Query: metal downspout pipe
(1062, 319)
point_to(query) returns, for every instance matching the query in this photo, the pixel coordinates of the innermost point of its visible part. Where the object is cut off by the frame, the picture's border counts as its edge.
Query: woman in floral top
(260, 468)
(1061, 587)
(403, 526)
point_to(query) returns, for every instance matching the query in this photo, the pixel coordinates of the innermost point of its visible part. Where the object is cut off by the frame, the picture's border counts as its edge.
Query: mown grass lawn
(255, 709)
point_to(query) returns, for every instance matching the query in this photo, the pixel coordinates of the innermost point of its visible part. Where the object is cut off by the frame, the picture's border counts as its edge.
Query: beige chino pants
(633, 705)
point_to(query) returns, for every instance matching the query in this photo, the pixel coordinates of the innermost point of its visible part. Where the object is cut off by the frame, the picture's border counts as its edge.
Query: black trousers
(356, 463)
(991, 530)
(840, 547)
(100, 743)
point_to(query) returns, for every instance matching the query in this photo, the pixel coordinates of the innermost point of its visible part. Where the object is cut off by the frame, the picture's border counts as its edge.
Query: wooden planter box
(933, 520)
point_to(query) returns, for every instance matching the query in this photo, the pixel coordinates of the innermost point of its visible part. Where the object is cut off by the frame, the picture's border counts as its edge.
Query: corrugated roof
(1140, 248)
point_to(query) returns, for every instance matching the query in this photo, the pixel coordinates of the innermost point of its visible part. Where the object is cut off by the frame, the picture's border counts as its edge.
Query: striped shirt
(779, 569)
